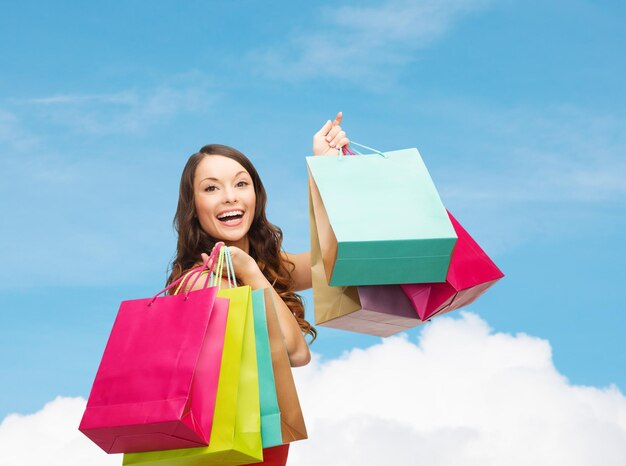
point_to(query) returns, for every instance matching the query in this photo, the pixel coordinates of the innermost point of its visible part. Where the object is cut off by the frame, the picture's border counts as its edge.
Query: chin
(225, 234)
(231, 236)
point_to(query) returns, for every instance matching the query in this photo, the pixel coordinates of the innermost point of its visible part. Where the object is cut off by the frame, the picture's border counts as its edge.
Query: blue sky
(516, 107)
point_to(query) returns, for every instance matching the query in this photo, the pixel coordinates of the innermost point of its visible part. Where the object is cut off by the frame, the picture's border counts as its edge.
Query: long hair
(265, 239)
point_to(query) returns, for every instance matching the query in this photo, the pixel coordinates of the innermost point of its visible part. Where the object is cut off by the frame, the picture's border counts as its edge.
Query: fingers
(332, 133)
(343, 142)
(336, 137)
(341, 135)
(325, 129)
(338, 119)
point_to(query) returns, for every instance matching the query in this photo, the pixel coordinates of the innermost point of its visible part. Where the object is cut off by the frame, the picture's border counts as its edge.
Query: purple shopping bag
(381, 310)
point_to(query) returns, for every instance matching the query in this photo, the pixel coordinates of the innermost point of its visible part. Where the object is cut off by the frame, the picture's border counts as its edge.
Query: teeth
(230, 214)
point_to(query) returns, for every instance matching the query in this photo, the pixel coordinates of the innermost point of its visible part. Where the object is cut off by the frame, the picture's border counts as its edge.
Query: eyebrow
(215, 179)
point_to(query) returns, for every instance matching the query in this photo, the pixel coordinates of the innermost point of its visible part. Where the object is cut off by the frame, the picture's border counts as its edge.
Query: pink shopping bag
(156, 385)
(470, 274)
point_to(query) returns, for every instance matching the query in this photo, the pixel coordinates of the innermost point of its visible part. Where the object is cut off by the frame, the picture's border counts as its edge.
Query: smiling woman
(222, 198)
(225, 205)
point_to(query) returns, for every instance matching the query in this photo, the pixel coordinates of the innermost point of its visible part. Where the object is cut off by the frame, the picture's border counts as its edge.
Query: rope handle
(347, 151)
(215, 271)
(224, 259)
(207, 266)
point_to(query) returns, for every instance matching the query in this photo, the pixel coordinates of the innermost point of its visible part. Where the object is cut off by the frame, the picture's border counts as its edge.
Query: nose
(230, 195)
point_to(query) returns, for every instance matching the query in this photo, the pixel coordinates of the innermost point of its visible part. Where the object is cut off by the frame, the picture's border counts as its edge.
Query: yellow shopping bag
(236, 433)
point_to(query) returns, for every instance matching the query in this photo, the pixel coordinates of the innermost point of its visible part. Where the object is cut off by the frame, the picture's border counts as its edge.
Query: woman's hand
(330, 138)
(244, 265)
(248, 271)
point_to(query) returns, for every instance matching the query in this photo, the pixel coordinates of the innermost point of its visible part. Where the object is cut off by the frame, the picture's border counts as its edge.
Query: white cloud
(126, 111)
(50, 437)
(461, 395)
(122, 98)
(356, 42)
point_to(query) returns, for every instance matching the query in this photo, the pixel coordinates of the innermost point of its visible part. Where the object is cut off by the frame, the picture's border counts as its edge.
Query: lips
(230, 217)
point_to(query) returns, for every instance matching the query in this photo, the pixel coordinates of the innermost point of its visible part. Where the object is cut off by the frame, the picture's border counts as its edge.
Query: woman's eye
(210, 188)
(241, 184)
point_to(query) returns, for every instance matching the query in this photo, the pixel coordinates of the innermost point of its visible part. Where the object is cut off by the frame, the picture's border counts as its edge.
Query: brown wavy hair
(265, 239)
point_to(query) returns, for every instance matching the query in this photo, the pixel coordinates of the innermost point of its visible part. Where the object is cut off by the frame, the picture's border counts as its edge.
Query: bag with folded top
(379, 219)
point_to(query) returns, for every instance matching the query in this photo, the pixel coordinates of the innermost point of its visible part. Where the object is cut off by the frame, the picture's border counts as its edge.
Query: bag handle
(224, 258)
(207, 265)
(347, 151)
(215, 270)
(209, 271)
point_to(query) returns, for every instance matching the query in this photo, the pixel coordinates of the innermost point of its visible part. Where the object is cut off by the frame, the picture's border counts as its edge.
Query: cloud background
(366, 45)
(488, 399)
(517, 109)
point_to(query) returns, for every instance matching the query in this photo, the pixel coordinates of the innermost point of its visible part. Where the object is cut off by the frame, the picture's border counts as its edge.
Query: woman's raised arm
(301, 271)
(326, 141)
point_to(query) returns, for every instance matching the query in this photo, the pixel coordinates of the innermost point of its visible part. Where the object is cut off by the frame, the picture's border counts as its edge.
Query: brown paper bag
(326, 239)
(291, 419)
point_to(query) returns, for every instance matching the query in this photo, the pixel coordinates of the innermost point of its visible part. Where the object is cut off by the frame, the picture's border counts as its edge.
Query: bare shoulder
(299, 265)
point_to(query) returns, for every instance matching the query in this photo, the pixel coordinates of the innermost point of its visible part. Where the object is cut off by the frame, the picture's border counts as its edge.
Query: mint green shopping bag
(271, 434)
(379, 219)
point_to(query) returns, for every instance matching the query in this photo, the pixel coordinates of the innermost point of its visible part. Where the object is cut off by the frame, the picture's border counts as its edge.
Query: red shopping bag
(470, 274)
(274, 456)
(156, 385)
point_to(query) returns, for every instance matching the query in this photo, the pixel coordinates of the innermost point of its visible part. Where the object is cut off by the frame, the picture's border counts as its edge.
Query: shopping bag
(380, 310)
(236, 434)
(471, 273)
(157, 382)
(274, 456)
(379, 219)
(292, 421)
(270, 414)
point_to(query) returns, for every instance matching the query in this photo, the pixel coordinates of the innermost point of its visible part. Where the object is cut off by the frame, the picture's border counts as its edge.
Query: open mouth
(230, 217)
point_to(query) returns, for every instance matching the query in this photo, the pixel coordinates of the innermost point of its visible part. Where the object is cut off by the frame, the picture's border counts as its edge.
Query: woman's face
(224, 198)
